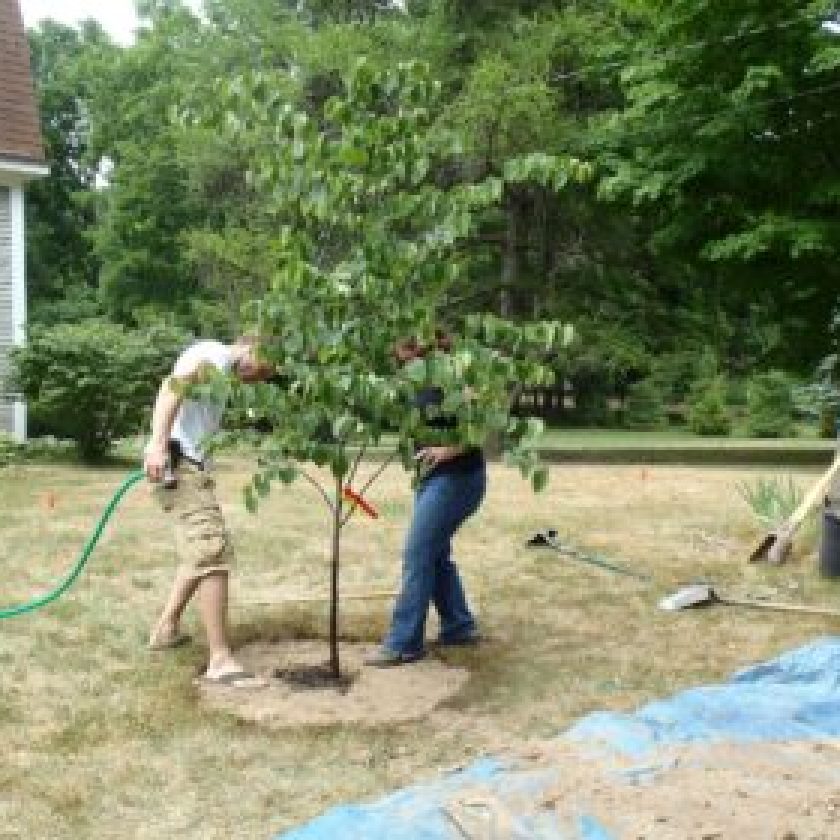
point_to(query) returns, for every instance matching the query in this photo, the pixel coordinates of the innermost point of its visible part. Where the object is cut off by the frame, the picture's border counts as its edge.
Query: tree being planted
(366, 235)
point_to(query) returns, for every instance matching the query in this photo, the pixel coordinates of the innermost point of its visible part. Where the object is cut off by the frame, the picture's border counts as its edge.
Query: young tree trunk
(335, 666)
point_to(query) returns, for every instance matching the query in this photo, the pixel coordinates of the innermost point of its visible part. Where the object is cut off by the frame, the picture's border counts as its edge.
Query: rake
(550, 539)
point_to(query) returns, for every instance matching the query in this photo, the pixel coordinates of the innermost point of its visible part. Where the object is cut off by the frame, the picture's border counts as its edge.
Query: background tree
(147, 206)
(62, 268)
(712, 222)
(727, 141)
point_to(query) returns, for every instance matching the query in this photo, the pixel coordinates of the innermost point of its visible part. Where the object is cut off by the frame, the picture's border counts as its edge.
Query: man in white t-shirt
(175, 458)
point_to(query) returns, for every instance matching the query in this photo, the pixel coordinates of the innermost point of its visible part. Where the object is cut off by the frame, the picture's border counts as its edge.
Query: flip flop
(235, 679)
(175, 642)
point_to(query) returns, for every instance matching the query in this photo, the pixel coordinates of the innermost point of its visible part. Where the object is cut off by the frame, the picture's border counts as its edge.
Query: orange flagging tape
(352, 496)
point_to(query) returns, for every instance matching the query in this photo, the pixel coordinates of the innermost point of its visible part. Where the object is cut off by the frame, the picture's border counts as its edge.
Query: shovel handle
(780, 538)
(812, 497)
(775, 605)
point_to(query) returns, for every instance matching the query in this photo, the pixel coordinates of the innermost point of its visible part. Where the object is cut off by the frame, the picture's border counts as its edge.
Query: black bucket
(830, 546)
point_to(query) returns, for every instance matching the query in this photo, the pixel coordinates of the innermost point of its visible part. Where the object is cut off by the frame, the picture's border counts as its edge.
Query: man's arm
(168, 401)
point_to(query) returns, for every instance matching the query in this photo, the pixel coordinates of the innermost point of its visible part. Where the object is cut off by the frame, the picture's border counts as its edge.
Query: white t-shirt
(196, 419)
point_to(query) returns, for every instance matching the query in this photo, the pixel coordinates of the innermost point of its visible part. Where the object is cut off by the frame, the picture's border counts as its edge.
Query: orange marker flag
(352, 496)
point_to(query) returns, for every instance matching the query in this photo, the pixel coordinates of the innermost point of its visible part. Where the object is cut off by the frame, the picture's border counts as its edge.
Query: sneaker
(386, 658)
(473, 640)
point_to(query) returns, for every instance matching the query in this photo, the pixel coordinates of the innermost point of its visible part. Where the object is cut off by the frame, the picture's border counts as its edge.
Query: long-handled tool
(550, 539)
(776, 545)
(704, 594)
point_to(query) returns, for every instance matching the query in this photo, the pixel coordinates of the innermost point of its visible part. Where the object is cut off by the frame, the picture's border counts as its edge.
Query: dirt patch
(299, 695)
(722, 791)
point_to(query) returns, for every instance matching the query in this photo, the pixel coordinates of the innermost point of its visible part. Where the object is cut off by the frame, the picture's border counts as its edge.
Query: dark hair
(412, 346)
(443, 341)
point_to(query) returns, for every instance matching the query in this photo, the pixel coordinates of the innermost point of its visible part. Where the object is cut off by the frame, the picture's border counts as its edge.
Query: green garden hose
(37, 603)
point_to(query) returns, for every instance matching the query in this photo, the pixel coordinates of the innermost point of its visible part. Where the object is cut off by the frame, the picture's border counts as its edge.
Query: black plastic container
(830, 546)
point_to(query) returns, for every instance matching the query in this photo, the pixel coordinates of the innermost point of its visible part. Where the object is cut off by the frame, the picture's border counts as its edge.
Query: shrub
(707, 409)
(598, 365)
(829, 422)
(772, 500)
(644, 406)
(92, 382)
(591, 404)
(675, 372)
(770, 405)
(9, 449)
(819, 400)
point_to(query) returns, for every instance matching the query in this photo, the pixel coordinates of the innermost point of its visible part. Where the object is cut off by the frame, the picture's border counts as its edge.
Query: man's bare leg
(213, 606)
(167, 631)
(212, 594)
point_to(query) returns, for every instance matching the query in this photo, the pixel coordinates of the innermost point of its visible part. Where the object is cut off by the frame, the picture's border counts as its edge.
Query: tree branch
(367, 484)
(314, 482)
(352, 474)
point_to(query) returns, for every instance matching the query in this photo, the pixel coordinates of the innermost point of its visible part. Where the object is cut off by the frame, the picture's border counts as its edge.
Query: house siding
(6, 318)
(7, 417)
(21, 159)
(11, 313)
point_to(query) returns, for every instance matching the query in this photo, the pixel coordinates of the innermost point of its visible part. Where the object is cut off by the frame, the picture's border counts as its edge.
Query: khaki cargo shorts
(202, 541)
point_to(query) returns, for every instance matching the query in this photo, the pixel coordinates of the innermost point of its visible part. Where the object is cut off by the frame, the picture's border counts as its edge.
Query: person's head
(408, 349)
(247, 364)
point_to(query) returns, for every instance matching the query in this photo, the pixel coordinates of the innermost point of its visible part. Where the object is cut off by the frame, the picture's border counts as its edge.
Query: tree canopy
(709, 219)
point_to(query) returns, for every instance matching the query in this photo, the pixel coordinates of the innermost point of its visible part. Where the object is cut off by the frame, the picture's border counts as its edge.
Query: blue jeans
(442, 502)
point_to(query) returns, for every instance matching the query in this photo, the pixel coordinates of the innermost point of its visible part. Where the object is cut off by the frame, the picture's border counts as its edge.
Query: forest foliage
(698, 220)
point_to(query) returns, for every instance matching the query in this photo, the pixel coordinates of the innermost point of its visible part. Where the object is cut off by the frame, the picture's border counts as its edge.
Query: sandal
(235, 679)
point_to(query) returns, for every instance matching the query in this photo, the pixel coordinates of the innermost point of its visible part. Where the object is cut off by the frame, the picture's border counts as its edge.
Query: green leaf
(250, 500)
(539, 478)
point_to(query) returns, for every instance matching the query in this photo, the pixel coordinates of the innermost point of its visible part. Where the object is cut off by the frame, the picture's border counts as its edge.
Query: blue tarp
(791, 698)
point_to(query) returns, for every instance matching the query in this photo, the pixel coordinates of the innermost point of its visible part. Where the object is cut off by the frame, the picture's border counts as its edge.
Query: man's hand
(154, 462)
(432, 456)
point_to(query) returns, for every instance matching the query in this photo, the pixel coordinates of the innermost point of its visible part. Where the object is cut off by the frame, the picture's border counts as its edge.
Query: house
(21, 159)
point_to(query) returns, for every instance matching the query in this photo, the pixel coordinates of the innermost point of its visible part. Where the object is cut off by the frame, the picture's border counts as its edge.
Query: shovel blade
(696, 595)
(764, 546)
(774, 548)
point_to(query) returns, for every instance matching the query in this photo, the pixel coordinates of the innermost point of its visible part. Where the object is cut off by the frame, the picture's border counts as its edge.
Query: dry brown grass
(104, 740)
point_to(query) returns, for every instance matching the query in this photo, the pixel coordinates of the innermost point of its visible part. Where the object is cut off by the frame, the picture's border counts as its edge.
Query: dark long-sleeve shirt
(471, 458)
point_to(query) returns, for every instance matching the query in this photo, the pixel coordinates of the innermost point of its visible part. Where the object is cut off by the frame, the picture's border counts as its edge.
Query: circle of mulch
(313, 677)
(295, 671)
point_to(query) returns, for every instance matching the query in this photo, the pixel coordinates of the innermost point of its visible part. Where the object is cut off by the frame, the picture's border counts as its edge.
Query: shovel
(704, 594)
(776, 545)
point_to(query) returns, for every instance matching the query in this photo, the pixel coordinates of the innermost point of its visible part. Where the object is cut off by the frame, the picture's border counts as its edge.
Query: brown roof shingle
(20, 135)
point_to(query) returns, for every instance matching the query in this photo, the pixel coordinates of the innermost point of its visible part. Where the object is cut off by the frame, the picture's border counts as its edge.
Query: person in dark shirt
(451, 489)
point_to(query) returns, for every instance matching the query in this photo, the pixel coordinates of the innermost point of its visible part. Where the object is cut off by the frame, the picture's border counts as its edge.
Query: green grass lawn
(606, 439)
